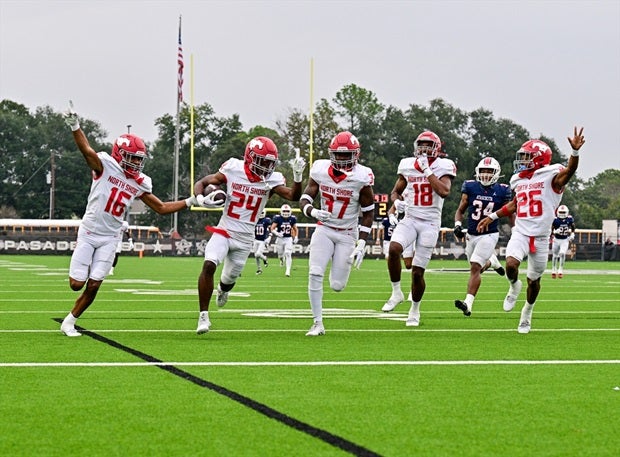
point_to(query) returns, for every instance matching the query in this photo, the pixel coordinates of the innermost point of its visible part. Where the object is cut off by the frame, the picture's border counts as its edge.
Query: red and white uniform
(233, 237)
(536, 205)
(335, 239)
(111, 194)
(419, 228)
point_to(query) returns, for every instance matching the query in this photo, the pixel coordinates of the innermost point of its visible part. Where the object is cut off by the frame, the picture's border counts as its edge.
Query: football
(217, 195)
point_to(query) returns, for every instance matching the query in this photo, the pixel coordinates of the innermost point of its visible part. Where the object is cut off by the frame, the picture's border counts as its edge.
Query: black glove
(458, 232)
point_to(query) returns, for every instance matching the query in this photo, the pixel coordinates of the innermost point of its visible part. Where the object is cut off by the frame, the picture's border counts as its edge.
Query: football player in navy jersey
(284, 227)
(563, 232)
(480, 197)
(262, 237)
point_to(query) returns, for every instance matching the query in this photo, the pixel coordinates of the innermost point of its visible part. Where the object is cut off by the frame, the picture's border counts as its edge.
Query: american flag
(180, 62)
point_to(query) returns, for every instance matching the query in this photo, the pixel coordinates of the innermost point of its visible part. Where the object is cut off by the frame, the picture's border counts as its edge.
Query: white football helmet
(562, 211)
(263, 214)
(285, 210)
(488, 171)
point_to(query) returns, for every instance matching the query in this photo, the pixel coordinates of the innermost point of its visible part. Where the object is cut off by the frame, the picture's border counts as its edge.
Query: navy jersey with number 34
(482, 201)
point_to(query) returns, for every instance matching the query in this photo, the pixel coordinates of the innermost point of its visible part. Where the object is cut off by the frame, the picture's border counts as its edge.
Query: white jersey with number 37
(340, 194)
(536, 201)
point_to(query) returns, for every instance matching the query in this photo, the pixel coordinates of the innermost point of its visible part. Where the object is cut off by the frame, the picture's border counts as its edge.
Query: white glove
(320, 214)
(358, 253)
(278, 234)
(130, 241)
(298, 164)
(267, 240)
(571, 237)
(208, 200)
(71, 118)
(422, 162)
(400, 206)
(124, 226)
(295, 240)
(393, 219)
(192, 201)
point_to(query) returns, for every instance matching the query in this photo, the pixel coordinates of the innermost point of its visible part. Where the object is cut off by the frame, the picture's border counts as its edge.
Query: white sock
(204, 314)
(494, 262)
(70, 320)
(315, 293)
(415, 307)
(527, 310)
(395, 287)
(469, 300)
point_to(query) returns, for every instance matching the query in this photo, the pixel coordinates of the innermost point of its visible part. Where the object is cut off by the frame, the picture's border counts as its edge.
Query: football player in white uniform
(537, 188)
(563, 232)
(117, 181)
(423, 182)
(249, 184)
(344, 188)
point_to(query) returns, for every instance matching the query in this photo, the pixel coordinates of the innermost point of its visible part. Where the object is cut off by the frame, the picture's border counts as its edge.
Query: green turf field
(140, 382)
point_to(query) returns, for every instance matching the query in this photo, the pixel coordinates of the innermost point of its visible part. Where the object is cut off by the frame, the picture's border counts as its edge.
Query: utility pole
(51, 180)
(128, 128)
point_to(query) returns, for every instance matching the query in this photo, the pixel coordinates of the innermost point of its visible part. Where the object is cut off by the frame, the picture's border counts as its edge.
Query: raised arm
(561, 179)
(90, 155)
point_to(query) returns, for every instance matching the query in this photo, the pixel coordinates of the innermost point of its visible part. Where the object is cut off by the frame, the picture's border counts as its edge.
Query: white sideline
(324, 363)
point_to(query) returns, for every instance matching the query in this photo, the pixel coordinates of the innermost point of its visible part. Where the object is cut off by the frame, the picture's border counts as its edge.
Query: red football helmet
(534, 154)
(344, 150)
(261, 156)
(427, 143)
(129, 151)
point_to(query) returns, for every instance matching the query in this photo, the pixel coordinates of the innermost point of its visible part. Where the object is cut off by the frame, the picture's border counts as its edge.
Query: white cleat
(524, 326)
(512, 296)
(221, 297)
(393, 301)
(69, 330)
(317, 329)
(203, 324)
(413, 319)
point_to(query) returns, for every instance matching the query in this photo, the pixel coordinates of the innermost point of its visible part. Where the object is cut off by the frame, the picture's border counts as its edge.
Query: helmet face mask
(563, 211)
(344, 151)
(427, 144)
(263, 214)
(130, 152)
(285, 210)
(488, 171)
(261, 156)
(532, 155)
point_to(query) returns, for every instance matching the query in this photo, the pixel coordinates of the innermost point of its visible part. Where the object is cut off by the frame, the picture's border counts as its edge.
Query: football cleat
(69, 331)
(463, 307)
(203, 324)
(221, 297)
(554, 275)
(513, 294)
(265, 263)
(560, 275)
(393, 301)
(259, 272)
(524, 326)
(413, 319)
(500, 271)
(317, 329)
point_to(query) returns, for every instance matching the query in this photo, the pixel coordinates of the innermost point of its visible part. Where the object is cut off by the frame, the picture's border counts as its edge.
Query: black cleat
(500, 271)
(265, 263)
(463, 307)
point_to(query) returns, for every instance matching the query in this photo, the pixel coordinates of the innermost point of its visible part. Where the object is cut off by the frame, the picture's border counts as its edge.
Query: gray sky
(546, 65)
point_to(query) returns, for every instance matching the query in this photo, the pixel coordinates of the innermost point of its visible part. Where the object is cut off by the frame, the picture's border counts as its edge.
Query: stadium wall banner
(194, 247)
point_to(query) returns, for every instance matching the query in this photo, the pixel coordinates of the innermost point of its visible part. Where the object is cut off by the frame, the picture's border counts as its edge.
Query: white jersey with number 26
(536, 201)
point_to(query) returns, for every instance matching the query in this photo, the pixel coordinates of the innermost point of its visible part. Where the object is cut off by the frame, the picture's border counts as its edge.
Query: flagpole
(175, 178)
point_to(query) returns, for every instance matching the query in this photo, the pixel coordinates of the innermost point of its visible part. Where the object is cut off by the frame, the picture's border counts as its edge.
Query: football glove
(393, 219)
(320, 214)
(71, 118)
(267, 240)
(571, 237)
(295, 240)
(400, 206)
(358, 253)
(193, 201)
(207, 201)
(422, 163)
(458, 231)
(277, 234)
(298, 164)
(124, 226)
